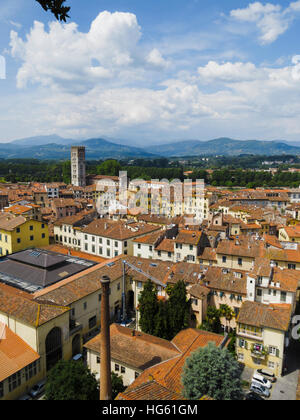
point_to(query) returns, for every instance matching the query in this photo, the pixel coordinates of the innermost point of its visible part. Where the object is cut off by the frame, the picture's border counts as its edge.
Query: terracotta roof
(11, 222)
(27, 310)
(118, 230)
(17, 209)
(265, 316)
(226, 280)
(168, 374)
(198, 291)
(149, 391)
(139, 351)
(150, 239)
(15, 354)
(68, 251)
(243, 247)
(166, 245)
(188, 237)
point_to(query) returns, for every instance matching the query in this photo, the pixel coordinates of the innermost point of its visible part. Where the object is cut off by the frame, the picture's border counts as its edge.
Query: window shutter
(277, 352)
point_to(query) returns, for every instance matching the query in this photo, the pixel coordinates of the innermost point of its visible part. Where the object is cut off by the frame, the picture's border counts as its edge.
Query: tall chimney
(105, 367)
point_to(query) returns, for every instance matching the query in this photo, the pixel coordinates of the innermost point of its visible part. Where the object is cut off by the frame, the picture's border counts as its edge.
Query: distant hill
(55, 147)
(224, 146)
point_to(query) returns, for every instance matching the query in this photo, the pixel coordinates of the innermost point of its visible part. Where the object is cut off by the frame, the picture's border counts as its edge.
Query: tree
(179, 309)
(70, 380)
(116, 384)
(56, 7)
(212, 321)
(161, 328)
(227, 313)
(148, 307)
(211, 371)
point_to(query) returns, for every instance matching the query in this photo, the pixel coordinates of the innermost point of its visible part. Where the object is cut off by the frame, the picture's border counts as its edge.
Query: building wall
(19, 238)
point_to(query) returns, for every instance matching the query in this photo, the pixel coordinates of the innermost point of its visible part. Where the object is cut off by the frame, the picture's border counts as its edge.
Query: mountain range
(55, 147)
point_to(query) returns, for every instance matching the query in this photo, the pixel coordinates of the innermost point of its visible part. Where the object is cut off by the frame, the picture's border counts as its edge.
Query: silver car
(259, 389)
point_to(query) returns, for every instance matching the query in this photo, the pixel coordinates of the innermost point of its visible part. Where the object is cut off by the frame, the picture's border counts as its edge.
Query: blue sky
(155, 70)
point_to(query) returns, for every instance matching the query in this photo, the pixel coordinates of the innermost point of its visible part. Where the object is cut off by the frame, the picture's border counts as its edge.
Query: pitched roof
(168, 373)
(265, 316)
(149, 391)
(139, 351)
(10, 222)
(226, 280)
(15, 354)
(27, 310)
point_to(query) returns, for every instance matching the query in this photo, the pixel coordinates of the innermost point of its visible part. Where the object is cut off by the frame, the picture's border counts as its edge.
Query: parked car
(37, 389)
(253, 396)
(267, 374)
(25, 397)
(262, 380)
(77, 357)
(259, 389)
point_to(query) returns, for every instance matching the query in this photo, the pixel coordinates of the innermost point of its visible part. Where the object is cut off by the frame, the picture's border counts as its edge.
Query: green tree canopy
(70, 380)
(148, 307)
(116, 384)
(56, 7)
(179, 309)
(214, 372)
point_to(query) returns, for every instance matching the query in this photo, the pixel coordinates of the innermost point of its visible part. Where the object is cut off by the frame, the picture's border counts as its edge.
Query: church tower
(78, 166)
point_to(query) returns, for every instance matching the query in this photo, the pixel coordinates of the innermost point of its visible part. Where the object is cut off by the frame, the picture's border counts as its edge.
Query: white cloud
(271, 20)
(228, 72)
(72, 60)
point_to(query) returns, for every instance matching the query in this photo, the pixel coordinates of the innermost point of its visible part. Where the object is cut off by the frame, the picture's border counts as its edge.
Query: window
(259, 292)
(139, 285)
(273, 351)
(84, 305)
(139, 246)
(93, 249)
(100, 240)
(19, 240)
(30, 227)
(159, 253)
(18, 230)
(93, 238)
(271, 365)
(108, 252)
(43, 226)
(92, 322)
(43, 235)
(98, 360)
(99, 298)
(224, 259)
(119, 286)
(150, 248)
(31, 238)
(108, 242)
(32, 369)
(242, 343)
(125, 244)
(241, 357)
(136, 375)
(191, 247)
(117, 368)
(14, 381)
(283, 297)
(292, 266)
(85, 247)
(240, 261)
(123, 370)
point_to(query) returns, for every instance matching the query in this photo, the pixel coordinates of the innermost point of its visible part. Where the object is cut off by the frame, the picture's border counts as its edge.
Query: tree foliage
(211, 371)
(179, 308)
(164, 318)
(148, 307)
(70, 380)
(56, 7)
(117, 384)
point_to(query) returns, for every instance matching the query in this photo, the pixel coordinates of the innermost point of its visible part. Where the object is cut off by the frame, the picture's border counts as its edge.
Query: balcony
(258, 351)
(74, 327)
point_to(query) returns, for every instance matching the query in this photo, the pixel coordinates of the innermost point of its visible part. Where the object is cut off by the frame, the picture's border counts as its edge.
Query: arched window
(53, 347)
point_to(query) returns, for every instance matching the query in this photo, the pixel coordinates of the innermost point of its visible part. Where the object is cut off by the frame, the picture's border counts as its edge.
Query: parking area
(285, 388)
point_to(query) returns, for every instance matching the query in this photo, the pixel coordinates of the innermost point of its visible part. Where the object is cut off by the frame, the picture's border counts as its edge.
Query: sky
(151, 71)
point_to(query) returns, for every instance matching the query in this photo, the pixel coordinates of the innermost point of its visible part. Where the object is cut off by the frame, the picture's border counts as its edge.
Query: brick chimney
(105, 366)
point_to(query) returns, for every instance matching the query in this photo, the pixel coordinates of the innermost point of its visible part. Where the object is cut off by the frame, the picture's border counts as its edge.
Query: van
(262, 380)
(259, 389)
(267, 374)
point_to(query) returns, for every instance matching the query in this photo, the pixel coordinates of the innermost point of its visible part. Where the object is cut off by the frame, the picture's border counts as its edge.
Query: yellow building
(17, 233)
(290, 234)
(261, 334)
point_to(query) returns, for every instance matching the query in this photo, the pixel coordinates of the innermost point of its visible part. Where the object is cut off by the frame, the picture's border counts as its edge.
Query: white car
(259, 389)
(261, 380)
